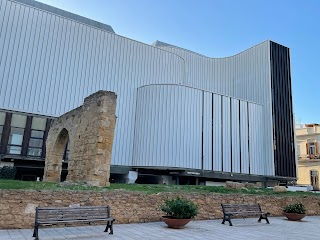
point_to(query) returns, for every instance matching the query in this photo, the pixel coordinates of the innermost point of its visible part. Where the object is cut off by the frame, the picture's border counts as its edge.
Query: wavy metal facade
(175, 126)
(175, 108)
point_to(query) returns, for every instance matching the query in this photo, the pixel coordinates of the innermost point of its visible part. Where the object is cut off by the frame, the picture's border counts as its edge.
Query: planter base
(175, 223)
(294, 216)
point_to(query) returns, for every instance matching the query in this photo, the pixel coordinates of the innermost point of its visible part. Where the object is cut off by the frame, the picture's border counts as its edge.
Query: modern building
(180, 115)
(308, 139)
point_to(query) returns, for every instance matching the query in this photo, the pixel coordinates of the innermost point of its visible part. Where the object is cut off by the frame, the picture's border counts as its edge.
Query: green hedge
(8, 172)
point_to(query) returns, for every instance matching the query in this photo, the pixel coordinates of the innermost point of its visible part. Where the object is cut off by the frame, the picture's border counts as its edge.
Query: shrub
(8, 172)
(295, 208)
(179, 208)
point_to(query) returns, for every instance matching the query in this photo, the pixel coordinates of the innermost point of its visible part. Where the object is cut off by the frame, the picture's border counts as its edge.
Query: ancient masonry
(89, 130)
(17, 207)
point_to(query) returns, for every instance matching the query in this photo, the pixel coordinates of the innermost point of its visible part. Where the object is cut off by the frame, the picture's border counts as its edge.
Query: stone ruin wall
(90, 131)
(17, 207)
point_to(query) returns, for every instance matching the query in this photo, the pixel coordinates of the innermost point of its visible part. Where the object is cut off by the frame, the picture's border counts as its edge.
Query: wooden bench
(63, 215)
(244, 210)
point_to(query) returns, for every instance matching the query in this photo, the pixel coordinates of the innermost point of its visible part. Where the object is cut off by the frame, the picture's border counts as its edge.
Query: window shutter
(307, 147)
(316, 148)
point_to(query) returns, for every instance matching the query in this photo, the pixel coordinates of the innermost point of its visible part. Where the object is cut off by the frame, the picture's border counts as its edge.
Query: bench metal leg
(265, 217)
(35, 233)
(109, 226)
(227, 217)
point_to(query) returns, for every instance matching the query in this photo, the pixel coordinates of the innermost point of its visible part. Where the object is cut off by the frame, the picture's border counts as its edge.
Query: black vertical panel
(221, 133)
(282, 112)
(231, 134)
(6, 133)
(202, 136)
(240, 136)
(212, 124)
(26, 136)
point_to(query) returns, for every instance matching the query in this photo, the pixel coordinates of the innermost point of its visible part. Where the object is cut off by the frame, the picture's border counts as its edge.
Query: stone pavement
(243, 229)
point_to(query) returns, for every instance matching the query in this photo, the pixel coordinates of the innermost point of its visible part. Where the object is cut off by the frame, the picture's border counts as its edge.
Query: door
(314, 179)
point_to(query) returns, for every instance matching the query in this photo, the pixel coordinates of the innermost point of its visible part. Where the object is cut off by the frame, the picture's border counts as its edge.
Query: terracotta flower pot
(294, 216)
(174, 222)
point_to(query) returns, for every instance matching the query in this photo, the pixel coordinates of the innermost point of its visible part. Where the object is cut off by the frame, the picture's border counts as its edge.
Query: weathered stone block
(234, 185)
(279, 189)
(89, 130)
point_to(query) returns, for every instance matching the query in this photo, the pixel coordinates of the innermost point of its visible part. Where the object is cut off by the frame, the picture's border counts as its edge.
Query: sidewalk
(243, 229)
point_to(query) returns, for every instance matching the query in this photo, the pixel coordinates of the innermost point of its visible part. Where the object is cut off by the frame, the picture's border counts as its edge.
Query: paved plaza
(245, 229)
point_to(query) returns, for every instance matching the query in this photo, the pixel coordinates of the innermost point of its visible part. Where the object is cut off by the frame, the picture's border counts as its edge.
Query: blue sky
(219, 28)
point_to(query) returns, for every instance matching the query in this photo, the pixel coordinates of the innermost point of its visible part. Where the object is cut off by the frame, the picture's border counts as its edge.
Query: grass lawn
(146, 188)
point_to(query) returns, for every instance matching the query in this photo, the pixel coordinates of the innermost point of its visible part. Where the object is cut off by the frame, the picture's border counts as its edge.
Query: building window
(18, 124)
(36, 138)
(312, 149)
(2, 120)
(314, 179)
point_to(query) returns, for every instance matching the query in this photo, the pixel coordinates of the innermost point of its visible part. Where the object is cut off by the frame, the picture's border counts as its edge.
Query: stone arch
(90, 130)
(54, 155)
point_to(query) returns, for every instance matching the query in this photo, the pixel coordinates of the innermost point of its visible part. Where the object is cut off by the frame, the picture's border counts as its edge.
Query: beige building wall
(308, 142)
(304, 173)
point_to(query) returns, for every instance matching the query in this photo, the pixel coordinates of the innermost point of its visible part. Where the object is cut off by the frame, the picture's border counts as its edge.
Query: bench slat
(68, 208)
(74, 220)
(71, 213)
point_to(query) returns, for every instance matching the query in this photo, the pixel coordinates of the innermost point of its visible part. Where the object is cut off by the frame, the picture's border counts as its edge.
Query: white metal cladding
(207, 131)
(235, 132)
(245, 76)
(244, 137)
(49, 64)
(255, 140)
(170, 121)
(217, 134)
(168, 127)
(226, 135)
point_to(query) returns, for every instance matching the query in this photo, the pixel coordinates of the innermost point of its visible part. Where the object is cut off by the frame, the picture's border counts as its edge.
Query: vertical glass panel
(14, 150)
(16, 136)
(2, 118)
(37, 134)
(35, 143)
(34, 152)
(18, 120)
(39, 123)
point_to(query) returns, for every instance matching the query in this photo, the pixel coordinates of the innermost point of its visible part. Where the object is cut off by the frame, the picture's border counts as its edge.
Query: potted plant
(294, 212)
(179, 212)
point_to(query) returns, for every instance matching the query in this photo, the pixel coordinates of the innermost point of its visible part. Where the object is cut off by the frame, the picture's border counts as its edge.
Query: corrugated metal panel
(207, 131)
(226, 134)
(235, 130)
(244, 137)
(49, 63)
(170, 120)
(255, 140)
(66, 14)
(168, 127)
(245, 76)
(217, 134)
(260, 161)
